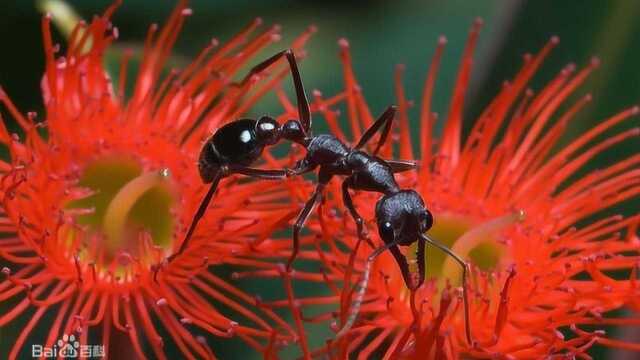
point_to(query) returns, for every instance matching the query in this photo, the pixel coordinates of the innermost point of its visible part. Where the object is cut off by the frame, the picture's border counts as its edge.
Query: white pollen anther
(161, 302)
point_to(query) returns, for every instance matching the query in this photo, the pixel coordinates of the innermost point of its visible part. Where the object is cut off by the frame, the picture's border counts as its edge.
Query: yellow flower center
(480, 243)
(127, 204)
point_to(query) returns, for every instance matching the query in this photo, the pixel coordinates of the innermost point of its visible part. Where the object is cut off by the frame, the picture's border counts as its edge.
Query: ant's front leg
(302, 167)
(348, 202)
(264, 174)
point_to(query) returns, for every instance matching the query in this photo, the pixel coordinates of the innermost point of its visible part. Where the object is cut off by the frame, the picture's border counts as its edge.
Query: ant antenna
(465, 269)
(362, 286)
(361, 289)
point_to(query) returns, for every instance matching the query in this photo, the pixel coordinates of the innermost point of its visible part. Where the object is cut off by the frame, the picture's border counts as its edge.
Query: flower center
(480, 243)
(130, 211)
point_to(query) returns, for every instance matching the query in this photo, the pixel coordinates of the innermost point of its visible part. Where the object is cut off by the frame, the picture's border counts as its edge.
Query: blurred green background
(382, 34)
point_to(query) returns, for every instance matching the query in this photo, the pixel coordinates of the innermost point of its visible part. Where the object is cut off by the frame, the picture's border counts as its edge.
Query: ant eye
(427, 220)
(386, 231)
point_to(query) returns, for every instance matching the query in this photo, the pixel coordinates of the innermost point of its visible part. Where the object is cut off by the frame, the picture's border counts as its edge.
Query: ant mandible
(401, 215)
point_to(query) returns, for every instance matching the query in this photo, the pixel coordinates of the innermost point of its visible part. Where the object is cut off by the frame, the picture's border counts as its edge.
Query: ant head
(402, 217)
(268, 130)
(292, 131)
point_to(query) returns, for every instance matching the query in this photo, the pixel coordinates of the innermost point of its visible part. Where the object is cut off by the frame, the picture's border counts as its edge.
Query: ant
(238, 144)
(401, 215)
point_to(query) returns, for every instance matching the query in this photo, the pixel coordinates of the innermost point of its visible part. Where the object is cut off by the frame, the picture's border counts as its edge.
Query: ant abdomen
(234, 143)
(237, 142)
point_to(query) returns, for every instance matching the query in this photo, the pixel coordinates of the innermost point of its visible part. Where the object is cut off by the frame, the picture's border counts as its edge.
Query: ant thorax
(326, 149)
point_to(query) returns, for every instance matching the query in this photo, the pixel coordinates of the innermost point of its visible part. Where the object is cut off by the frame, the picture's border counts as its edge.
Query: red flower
(95, 205)
(531, 227)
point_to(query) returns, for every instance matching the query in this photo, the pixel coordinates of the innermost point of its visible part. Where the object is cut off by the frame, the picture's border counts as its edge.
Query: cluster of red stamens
(93, 208)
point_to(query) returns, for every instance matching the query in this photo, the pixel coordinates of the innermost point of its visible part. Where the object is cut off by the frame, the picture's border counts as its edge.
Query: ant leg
(465, 269)
(304, 112)
(302, 218)
(398, 166)
(385, 119)
(302, 167)
(259, 68)
(201, 210)
(362, 288)
(323, 179)
(348, 202)
(258, 173)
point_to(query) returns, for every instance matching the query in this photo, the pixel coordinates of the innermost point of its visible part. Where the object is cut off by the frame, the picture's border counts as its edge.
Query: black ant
(238, 144)
(401, 215)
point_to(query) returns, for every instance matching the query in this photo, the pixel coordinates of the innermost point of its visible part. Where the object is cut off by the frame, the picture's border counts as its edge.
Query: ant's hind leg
(304, 112)
(257, 69)
(385, 120)
(302, 218)
(202, 209)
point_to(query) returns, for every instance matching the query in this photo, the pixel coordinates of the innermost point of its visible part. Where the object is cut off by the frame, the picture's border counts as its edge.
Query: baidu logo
(68, 347)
